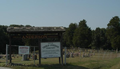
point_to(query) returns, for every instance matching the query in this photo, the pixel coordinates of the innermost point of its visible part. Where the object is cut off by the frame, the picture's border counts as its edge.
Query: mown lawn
(93, 62)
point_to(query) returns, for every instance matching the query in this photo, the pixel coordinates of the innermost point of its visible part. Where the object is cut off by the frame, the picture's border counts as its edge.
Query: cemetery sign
(23, 49)
(50, 49)
(46, 49)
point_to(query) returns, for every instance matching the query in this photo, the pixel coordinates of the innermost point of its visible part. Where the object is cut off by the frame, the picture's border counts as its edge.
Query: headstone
(25, 57)
(9, 57)
(68, 55)
(72, 55)
(34, 57)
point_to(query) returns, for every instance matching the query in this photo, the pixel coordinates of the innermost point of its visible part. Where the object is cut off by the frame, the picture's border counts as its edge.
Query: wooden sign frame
(16, 33)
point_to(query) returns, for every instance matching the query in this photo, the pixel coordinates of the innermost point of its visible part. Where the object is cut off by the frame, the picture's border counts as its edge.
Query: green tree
(15, 25)
(116, 42)
(99, 38)
(68, 35)
(113, 32)
(28, 26)
(3, 38)
(82, 35)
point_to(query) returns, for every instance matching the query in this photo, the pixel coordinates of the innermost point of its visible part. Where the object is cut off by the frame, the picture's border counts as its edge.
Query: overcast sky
(39, 13)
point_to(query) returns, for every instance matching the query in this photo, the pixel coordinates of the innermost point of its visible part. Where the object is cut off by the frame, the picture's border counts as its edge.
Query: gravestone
(25, 57)
(68, 55)
(9, 57)
(34, 57)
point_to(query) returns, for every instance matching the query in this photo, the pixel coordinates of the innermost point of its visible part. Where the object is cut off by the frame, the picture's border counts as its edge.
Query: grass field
(97, 61)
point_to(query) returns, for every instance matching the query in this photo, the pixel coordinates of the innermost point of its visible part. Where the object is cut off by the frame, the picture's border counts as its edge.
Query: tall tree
(3, 38)
(98, 38)
(15, 25)
(68, 35)
(113, 32)
(82, 35)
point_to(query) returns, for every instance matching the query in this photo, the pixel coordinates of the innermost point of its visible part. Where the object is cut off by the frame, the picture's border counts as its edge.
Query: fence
(82, 54)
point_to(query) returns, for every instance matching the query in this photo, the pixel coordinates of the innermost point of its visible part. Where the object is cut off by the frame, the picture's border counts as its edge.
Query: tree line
(80, 35)
(76, 35)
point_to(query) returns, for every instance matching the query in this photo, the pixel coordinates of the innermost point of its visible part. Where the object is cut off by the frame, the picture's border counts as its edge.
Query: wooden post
(61, 48)
(10, 48)
(34, 56)
(6, 54)
(65, 54)
(59, 60)
(39, 42)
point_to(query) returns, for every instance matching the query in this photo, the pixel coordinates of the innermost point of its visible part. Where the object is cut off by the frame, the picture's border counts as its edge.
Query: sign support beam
(39, 44)
(34, 56)
(61, 48)
(10, 49)
(6, 54)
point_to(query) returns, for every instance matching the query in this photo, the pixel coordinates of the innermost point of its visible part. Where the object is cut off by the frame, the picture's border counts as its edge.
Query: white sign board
(23, 49)
(50, 49)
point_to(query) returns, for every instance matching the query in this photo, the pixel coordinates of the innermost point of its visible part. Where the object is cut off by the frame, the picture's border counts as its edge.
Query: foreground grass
(93, 62)
(90, 64)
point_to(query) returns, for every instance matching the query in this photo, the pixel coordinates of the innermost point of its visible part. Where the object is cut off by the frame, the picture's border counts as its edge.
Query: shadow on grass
(57, 66)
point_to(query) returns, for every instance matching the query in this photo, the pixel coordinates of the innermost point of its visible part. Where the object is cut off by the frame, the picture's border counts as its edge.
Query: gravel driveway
(4, 68)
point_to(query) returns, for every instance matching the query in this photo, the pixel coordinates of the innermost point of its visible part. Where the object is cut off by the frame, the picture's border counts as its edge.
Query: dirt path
(4, 68)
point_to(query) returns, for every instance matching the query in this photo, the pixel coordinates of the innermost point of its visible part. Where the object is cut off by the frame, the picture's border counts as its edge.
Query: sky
(41, 13)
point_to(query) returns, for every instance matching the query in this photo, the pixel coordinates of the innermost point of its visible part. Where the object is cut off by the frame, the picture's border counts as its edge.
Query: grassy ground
(98, 61)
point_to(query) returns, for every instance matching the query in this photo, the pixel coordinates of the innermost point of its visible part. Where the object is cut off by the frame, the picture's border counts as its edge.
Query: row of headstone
(27, 57)
(78, 54)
